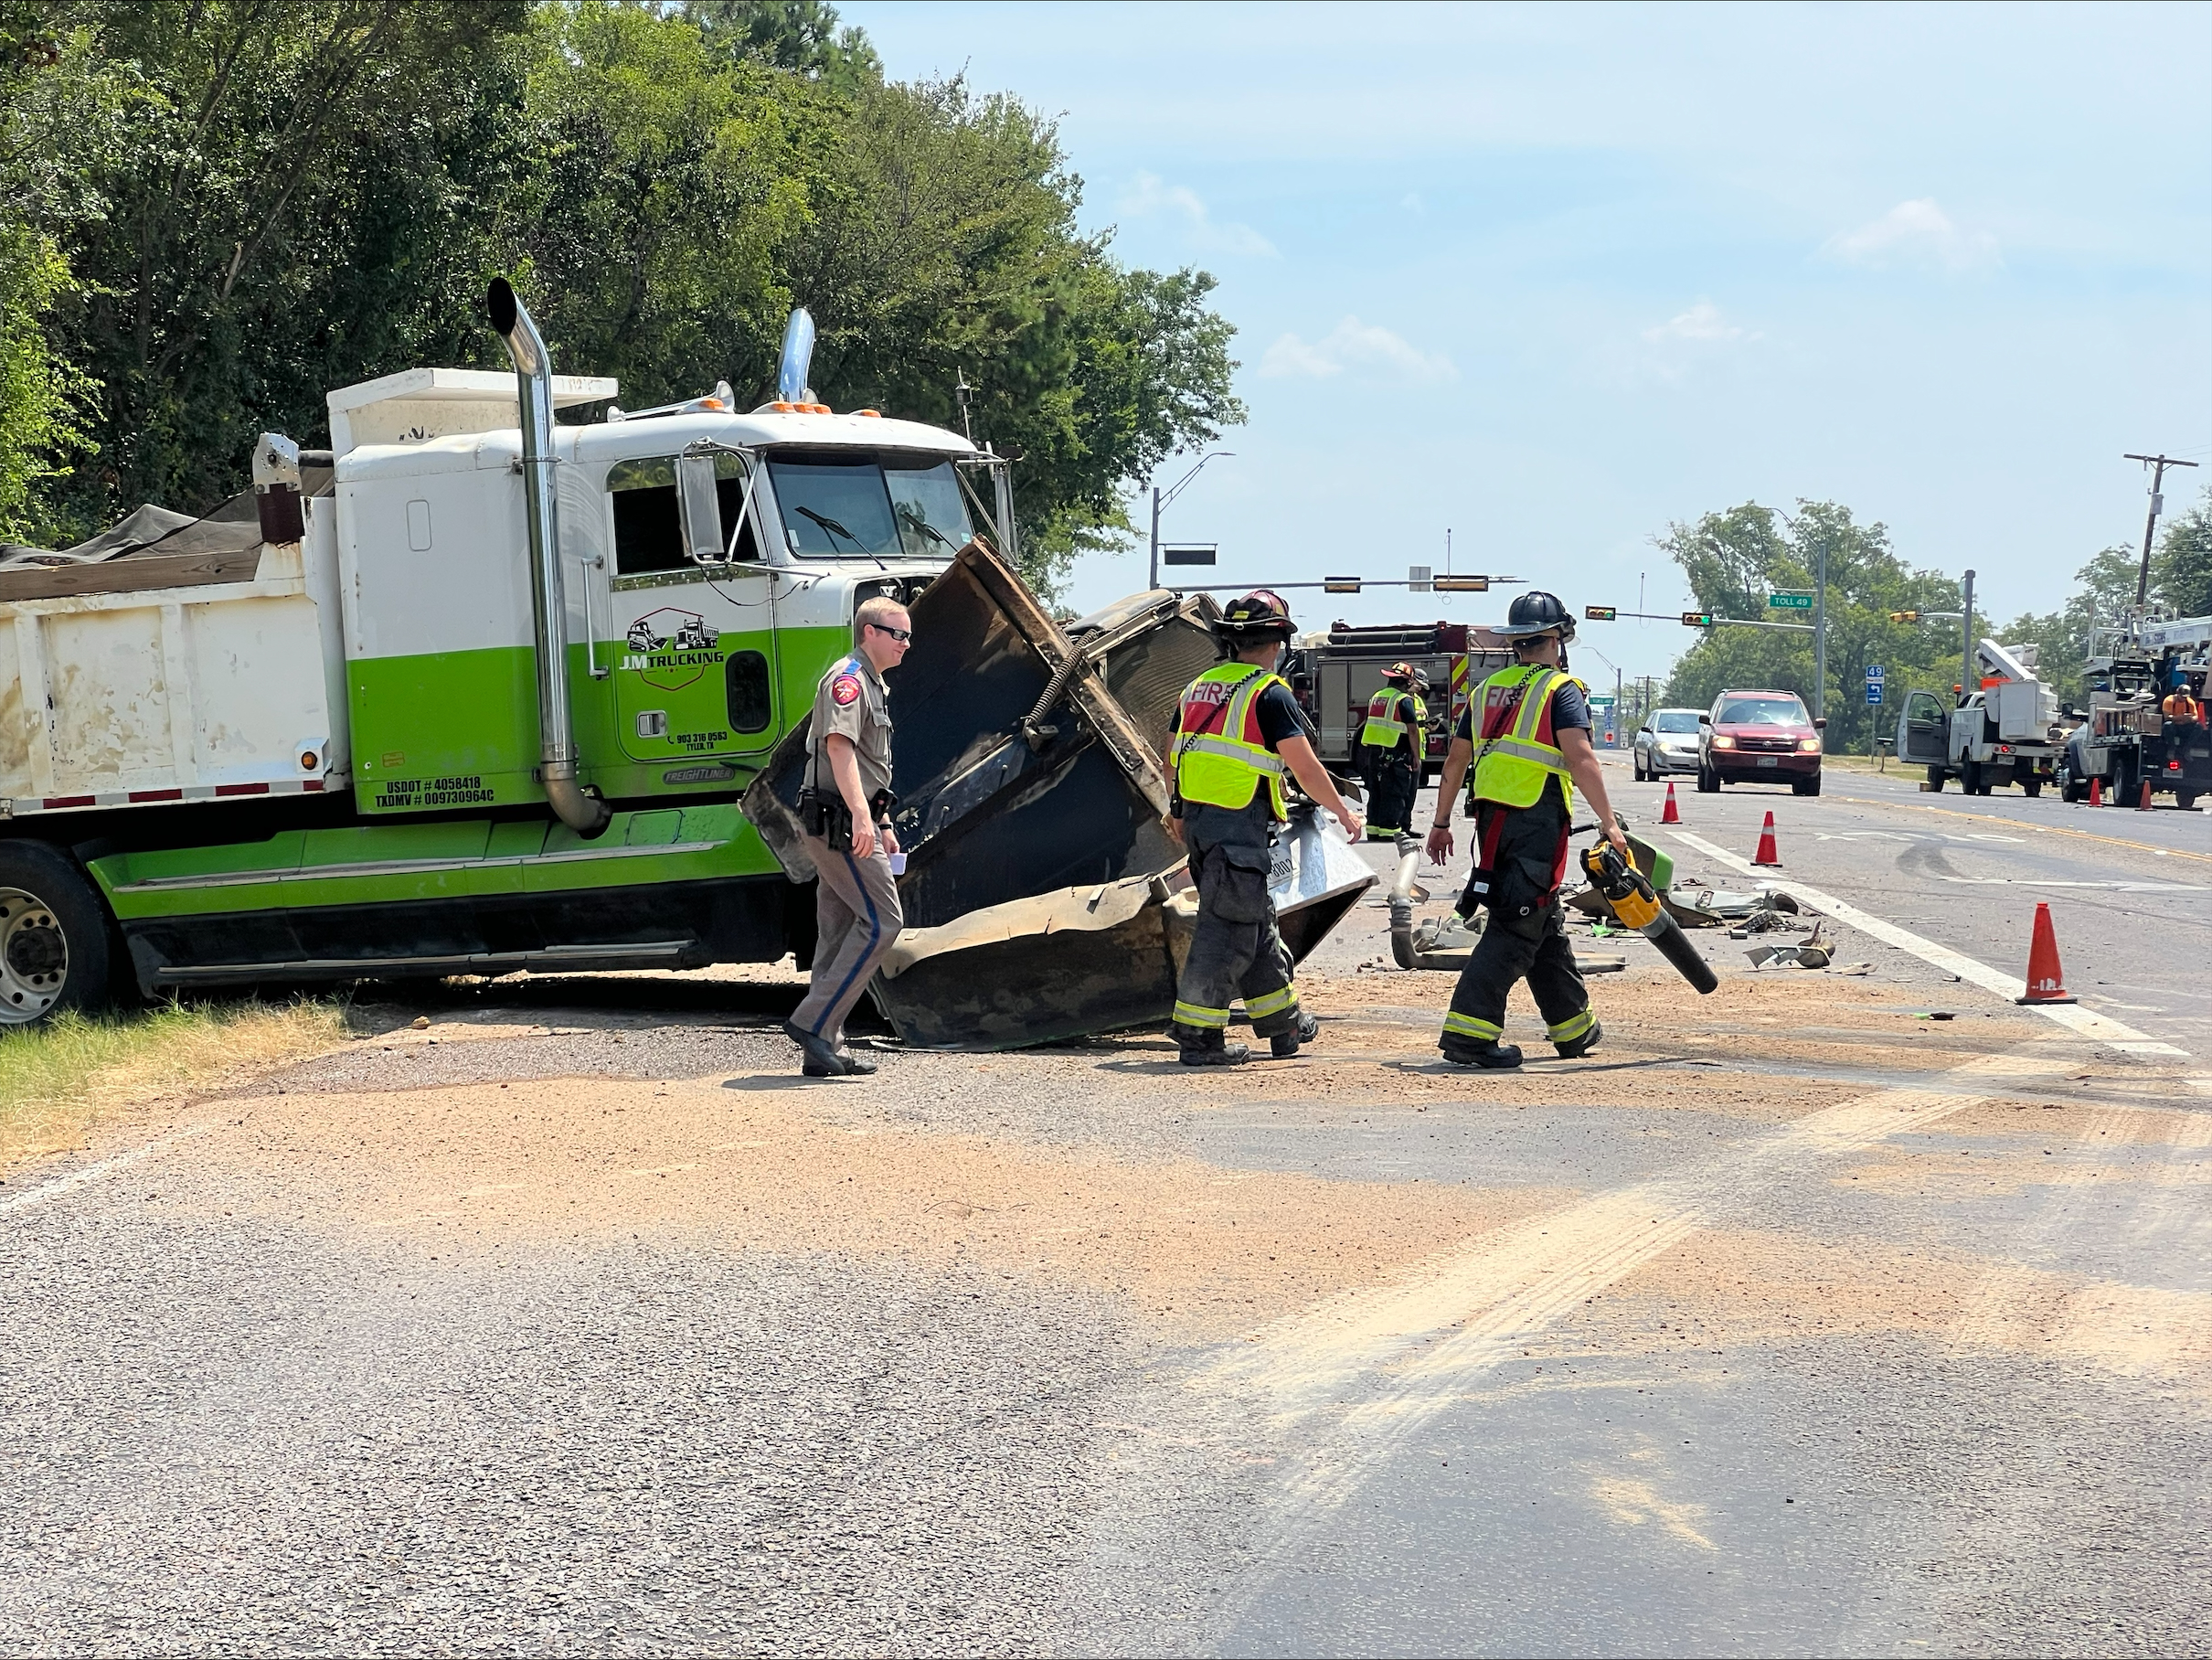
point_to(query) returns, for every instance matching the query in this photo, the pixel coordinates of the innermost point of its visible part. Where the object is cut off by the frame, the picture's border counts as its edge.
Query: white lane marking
(106, 1167)
(2010, 987)
(1378, 1363)
(2007, 881)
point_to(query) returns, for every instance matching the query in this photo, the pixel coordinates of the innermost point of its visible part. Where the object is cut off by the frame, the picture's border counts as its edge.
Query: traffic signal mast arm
(1690, 619)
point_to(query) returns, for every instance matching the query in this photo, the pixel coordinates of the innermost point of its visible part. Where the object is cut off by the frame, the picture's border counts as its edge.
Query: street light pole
(1161, 499)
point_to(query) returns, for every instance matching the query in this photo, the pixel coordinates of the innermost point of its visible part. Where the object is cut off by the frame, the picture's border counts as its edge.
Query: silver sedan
(1666, 743)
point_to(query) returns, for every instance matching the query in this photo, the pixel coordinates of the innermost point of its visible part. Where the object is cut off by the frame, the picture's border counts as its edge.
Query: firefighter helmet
(1259, 615)
(1405, 674)
(1537, 612)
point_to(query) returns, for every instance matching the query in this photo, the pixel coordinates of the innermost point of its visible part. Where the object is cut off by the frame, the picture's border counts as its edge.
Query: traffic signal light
(1697, 619)
(1599, 613)
(1904, 616)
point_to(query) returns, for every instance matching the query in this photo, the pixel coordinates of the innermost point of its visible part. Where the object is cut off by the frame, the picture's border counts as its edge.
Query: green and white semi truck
(470, 692)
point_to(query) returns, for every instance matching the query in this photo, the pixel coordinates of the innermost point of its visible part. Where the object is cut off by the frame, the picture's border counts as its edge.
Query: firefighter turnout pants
(1234, 950)
(856, 920)
(1523, 853)
(1395, 781)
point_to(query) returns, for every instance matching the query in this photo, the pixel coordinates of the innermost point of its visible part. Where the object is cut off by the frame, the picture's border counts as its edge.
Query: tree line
(213, 212)
(1733, 560)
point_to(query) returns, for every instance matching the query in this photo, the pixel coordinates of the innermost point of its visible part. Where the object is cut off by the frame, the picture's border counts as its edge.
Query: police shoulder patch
(844, 688)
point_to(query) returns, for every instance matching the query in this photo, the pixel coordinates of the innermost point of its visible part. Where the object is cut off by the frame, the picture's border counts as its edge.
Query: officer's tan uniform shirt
(851, 699)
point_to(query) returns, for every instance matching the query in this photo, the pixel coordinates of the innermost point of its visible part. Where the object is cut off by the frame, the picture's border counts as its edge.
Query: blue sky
(1553, 277)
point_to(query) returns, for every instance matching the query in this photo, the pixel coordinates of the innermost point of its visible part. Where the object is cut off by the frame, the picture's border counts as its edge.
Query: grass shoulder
(58, 1078)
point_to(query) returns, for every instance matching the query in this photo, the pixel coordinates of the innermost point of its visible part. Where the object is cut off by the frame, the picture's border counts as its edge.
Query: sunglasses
(896, 633)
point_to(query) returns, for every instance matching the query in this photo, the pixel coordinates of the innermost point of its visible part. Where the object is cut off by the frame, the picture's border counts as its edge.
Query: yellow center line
(1996, 818)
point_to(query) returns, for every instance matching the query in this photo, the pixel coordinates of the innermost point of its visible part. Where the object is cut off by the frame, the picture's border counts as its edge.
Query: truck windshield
(1763, 712)
(869, 506)
(1676, 720)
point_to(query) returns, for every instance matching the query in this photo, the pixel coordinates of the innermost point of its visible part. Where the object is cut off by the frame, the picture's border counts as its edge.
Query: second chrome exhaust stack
(581, 810)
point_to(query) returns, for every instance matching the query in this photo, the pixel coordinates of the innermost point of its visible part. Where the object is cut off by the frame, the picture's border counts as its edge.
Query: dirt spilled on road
(487, 1168)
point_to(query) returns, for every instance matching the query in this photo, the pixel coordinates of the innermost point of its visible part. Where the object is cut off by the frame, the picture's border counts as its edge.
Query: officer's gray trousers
(1235, 949)
(857, 919)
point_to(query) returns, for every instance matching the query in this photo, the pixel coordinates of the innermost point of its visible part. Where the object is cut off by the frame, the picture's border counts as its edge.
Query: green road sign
(1789, 601)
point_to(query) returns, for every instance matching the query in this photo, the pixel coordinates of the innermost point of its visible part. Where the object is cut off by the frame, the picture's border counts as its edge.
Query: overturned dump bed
(1044, 897)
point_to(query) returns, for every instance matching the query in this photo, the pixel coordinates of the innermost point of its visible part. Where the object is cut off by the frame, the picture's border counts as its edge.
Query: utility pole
(1820, 632)
(1967, 663)
(2158, 478)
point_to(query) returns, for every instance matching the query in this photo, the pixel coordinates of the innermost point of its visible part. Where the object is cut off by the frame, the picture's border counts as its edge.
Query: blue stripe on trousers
(875, 934)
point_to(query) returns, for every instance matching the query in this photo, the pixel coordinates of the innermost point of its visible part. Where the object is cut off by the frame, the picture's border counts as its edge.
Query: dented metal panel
(1045, 898)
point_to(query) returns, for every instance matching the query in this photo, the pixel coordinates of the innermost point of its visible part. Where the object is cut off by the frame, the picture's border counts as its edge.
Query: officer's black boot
(822, 1060)
(1283, 1045)
(1466, 1052)
(856, 1065)
(1574, 1049)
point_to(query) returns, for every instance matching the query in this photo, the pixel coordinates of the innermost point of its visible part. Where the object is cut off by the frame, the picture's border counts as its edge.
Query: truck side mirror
(699, 507)
(1704, 720)
(1820, 725)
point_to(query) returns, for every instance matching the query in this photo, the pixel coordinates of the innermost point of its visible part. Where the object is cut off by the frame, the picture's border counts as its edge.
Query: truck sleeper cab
(393, 645)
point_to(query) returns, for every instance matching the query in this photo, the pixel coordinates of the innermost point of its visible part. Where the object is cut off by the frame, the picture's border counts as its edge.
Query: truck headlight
(1721, 741)
(1808, 746)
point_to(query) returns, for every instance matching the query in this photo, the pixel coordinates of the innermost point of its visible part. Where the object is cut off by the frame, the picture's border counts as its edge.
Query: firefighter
(1392, 745)
(845, 807)
(1236, 731)
(1532, 721)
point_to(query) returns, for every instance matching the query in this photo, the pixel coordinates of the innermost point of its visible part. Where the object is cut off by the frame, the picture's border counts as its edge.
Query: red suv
(1759, 738)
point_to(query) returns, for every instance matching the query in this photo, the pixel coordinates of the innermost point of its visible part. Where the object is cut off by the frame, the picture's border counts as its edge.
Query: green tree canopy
(223, 208)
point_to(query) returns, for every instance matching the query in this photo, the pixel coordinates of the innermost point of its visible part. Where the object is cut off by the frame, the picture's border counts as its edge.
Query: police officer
(1532, 724)
(847, 810)
(1392, 745)
(1238, 729)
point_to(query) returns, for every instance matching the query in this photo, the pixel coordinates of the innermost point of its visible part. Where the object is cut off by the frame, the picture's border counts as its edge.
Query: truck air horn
(1636, 903)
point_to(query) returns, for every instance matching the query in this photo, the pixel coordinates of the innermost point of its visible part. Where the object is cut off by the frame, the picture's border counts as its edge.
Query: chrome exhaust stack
(580, 809)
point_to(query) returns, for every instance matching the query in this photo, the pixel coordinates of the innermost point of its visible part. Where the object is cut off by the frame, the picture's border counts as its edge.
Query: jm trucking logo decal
(670, 649)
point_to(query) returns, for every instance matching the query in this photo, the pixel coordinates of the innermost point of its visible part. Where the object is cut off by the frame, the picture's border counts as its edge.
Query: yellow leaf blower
(1636, 903)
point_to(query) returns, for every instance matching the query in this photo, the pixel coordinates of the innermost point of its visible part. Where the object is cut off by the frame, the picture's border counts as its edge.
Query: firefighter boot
(1466, 1052)
(1206, 1047)
(1283, 1045)
(1574, 1049)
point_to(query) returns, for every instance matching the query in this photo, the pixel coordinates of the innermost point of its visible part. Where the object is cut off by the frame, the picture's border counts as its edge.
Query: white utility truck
(470, 692)
(2006, 730)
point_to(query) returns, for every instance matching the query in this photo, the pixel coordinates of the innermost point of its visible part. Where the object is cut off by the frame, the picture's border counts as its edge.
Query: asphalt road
(1834, 1312)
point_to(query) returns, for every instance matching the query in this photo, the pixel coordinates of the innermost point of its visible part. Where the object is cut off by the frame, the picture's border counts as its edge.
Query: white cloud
(1915, 233)
(1353, 344)
(1151, 195)
(1702, 321)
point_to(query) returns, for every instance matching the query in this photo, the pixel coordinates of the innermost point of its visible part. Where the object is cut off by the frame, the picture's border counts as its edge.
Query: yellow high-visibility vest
(1224, 768)
(1387, 723)
(1511, 768)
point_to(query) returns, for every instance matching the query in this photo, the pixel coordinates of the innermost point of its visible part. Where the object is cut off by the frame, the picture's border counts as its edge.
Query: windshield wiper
(835, 528)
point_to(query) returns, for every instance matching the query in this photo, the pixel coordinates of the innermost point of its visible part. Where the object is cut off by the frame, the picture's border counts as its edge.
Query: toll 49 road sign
(1789, 601)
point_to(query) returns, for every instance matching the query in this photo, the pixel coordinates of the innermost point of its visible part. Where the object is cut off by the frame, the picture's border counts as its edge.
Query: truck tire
(55, 941)
(2031, 787)
(1935, 779)
(2186, 799)
(1709, 781)
(2071, 789)
(1805, 786)
(1970, 779)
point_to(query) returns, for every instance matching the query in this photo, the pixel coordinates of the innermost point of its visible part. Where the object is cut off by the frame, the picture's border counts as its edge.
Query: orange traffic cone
(1766, 853)
(1670, 816)
(2045, 983)
(2143, 804)
(2096, 791)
